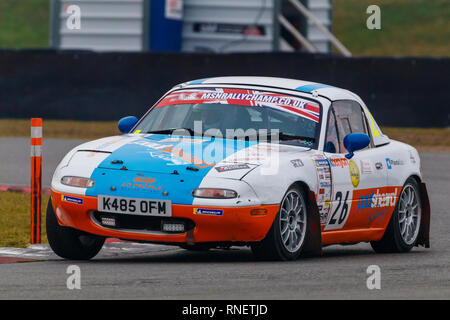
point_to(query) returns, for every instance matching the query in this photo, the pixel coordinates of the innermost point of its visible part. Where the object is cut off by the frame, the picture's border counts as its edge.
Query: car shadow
(243, 255)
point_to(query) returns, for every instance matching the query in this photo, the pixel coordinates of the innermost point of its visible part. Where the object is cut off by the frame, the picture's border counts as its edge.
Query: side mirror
(354, 142)
(126, 124)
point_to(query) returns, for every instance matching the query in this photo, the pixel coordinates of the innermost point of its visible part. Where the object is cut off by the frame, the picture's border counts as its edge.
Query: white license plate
(145, 207)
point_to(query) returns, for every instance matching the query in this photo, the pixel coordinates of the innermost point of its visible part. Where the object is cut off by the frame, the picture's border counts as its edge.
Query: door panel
(341, 191)
(359, 182)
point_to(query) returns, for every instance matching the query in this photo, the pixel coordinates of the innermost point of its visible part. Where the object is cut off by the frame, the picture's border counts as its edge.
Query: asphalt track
(15, 159)
(128, 271)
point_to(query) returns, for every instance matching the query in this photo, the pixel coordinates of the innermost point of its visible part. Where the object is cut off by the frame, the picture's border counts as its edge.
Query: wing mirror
(126, 124)
(354, 142)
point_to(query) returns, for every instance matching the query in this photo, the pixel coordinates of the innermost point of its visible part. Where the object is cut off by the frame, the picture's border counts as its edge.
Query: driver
(211, 119)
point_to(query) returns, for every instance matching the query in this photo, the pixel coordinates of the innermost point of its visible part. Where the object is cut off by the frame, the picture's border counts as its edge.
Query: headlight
(77, 182)
(214, 193)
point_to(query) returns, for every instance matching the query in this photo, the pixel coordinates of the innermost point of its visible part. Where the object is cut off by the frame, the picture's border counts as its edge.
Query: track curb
(21, 189)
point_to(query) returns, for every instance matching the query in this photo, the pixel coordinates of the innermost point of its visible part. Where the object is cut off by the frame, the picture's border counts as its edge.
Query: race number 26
(340, 213)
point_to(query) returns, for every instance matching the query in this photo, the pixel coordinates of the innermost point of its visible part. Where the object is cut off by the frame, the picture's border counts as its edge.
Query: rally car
(283, 166)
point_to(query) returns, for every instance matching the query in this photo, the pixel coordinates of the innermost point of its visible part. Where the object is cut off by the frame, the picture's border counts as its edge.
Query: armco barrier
(83, 85)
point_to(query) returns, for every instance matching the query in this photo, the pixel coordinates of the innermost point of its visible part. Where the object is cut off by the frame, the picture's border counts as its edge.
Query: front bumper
(237, 224)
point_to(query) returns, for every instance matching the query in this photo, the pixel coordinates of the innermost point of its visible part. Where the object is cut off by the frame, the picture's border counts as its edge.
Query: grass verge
(15, 219)
(424, 139)
(64, 129)
(24, 24)
(408, 27)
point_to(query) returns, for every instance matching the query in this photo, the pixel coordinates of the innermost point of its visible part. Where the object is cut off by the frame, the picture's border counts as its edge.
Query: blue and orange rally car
(283, 166)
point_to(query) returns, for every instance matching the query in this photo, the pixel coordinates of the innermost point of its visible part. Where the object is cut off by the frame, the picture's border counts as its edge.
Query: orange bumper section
(237, 224)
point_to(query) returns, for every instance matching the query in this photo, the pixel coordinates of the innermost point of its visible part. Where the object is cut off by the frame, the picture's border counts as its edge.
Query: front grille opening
(139, 223)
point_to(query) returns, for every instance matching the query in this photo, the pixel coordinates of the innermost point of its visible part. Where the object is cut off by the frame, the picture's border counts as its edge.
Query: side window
(332, 138)
(350, 118)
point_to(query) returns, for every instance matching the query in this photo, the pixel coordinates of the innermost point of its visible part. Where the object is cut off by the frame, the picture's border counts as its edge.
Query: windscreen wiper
(170, 131)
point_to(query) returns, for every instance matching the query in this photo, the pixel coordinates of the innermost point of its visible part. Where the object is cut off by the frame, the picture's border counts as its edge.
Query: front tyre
(69, 243)
(403, 229)
(286, 237)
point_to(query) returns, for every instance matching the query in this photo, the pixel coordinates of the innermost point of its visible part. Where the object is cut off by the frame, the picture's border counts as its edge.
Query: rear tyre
(403, 229)
(69, 243)
(286, 237)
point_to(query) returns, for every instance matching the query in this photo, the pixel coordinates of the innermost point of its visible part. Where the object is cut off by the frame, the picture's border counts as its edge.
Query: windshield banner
(294, 105)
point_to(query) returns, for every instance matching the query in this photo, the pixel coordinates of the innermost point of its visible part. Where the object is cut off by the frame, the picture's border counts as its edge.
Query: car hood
(171, 154)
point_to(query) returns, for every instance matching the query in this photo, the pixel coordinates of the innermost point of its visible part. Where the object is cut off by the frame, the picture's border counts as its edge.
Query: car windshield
(235, 114)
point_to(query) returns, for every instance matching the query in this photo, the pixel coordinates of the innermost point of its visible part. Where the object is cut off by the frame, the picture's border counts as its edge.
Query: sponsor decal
(354, 173)
(324, 191)
(379, 165)
(209, 212)
(290, 104)
(259, 97)
(71, 199)
(297, 163)
(375, 203)
(366, 166)
(144, 180)
(325, 184)
(340, 162)
(397, 162)
(142, 183)
(321, 163)
(232, 167)
(390, 163)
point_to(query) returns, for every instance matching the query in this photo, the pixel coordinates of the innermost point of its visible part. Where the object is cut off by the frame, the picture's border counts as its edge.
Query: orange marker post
(36, 179)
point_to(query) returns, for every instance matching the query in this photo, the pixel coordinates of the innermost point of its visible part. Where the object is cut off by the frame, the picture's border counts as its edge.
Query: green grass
(24, 24)
(408, 27)
(66, 129)
(429, 139)
(15, 219)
